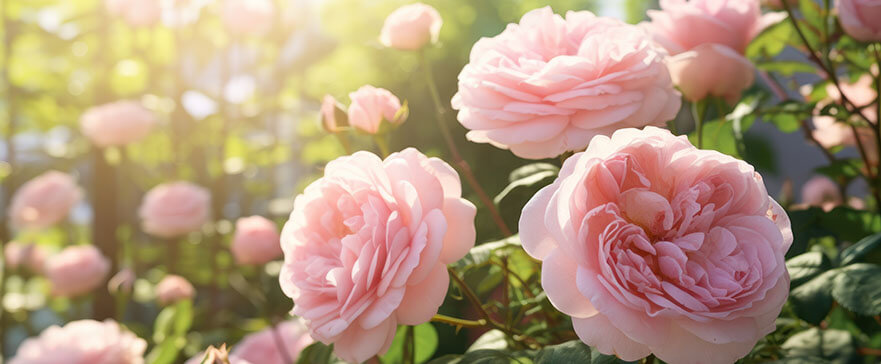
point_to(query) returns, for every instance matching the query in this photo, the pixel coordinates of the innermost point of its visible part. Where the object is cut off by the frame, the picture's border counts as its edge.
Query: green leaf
(772, 41)
(787, 68)
(821, 346)
(173, 320)
(165, 353)
(806, 266)
(569, 352)
(424, 340)
(526, 181)
(480, 255)
(531, 169)
(493, 339)
(316, 353)
(849, 168)
(858, 288)
(719, 135)
(812, 301)
(867, 250)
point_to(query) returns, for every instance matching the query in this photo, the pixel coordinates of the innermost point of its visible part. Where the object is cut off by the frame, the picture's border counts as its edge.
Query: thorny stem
(460, 163)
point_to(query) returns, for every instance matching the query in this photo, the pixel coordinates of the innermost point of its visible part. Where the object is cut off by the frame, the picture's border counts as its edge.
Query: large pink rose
(654, 246)
(174, 288)
(256, 241)
(136, 13)
(371, 106)
(117, 123)
(548, 85)
(859, 18)
(821, 191)
(82, 342)
(174, 209)
(19, 255)
(367, 245)
(76, 270)
(411, 26)
(44, 200)
(707, 36)
(248, 16)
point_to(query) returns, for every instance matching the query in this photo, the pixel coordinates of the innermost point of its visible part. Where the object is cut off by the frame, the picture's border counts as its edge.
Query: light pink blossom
(19, 255)
(117, 123)
(44, 200)
(367, 245)
(411, 27)
(174, 209)
(256, 241)
(821, 191)
(137, 13)
(654, 246)
(76, 270)
(174, 288)
(248, 16)
(82, 342)
(859, 18)
(371, 106)
(548, 85)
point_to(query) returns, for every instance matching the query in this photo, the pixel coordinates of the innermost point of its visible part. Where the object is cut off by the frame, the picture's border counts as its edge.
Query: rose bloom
(263, 347)
(248, 16)
(117, 123)
(367, 245)
(19, 255)
(859, 18)
(821, 191)
(44, 200)
(371, 106)
(174, 288)
(830, 132)
(411, 26)
(83, 342)
(76, 270)
(256, 241)
(706, 36)
(548, 85)
(173, 209)
(654, 246)
(136, 13)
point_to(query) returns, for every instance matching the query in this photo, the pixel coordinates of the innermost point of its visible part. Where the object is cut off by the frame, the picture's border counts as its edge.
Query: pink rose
(248, 16)
(263, 347)
(705, 36)
(862, 93)
(136, 13)
(117, 123)
(256, 241)
(548, 85)
(82, 342)
(31, 256)
(830, 132)
(174, 288)
(405, 214)
(410, 27)
(859, 18)
(173, 209)
(821, 191)
(76, 270)
(371, 106)
(654, 246)
(44, 200)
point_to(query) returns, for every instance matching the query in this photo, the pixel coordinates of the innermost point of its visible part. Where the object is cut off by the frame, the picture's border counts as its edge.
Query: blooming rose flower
(548, 85)
(704, 36)
(821, 191)
(173, 209)
(371, 106)
(76, 270)
(830, 132)
(117, 123)
(263, 347)
(174, 288)
(410, 27)
(44, 200)
(136, 13)
(82, 342)
(859, 18)
(256, 241)
(367, 245)
(19, 255)
(248, 16)
(654, 246)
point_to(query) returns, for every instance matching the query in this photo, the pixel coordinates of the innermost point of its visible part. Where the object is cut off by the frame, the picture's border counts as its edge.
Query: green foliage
(858, 288)
(169, 333)
(525, 182)
(424, 343)
(821, 346)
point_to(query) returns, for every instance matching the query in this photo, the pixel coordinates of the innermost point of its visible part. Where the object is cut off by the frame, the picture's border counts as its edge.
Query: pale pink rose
(136, 13)
(367, 245)
(371, 106)
(706, 36)
(117, 123)
(654, 246)
(859, 18)
(174, 288)
(44, 200)
(76, 270)
(82, 342)
(821, 191)
(411, 26)
(19, 255)
(548, 85)
(861, 93)
(174, 209)
(264, 347)
(248, 16)
(256, 241)
(830, 132)
(122, 282)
